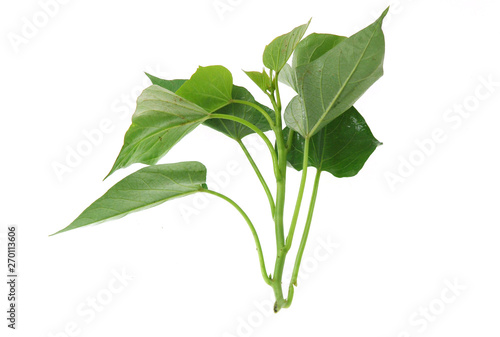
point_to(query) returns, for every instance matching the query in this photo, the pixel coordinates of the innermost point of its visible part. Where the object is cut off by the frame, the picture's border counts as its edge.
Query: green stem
(258, 108)
(278, 97)
(259, 175)
(295, 217)
(252, 228)
(280, 201)
(279, 228)
(303, 241)
(290, 140)
(257, 131)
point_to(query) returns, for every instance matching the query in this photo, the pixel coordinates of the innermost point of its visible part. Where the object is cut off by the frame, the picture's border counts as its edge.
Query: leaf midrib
(344, 85)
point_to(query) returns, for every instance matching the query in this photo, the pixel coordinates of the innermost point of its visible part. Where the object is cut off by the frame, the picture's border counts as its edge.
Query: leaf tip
(384, 13)
(58, 232)
(110, 173)
(149, 76)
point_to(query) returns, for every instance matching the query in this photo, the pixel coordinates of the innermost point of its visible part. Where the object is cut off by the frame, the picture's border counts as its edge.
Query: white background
(379, 253)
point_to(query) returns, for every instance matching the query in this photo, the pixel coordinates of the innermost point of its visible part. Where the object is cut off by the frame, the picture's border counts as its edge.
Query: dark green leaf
(281, 48)
(161, 119)
(143, 189)
(237, 130)
(341, 148)
(172, 85)
(209, 87)
(261, 79)
(333, 83)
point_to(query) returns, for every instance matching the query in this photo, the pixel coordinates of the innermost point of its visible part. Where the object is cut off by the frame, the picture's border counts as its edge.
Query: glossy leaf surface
(332, 83)
(341, 148)
(143, 189)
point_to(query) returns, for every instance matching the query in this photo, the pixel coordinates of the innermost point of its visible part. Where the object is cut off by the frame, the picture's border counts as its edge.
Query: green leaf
(237, 130)
(172, 85)
(143, 189)
(287, 76)
(277, 53)
(209, 87)
(313, 47)
(333, 83)
(261, 79)
(294, 115)
(161, 119)
(308, 50)
(340, 148)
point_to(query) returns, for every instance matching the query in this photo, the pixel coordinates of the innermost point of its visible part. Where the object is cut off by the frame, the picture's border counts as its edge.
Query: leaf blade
(172, 85)
(146, 188)
(313, 47)
(161, 119)
(287, 76)
(277, 53)
(261, 79)
(332, 83)
(238, 131)
(209, 87)
(340, 148)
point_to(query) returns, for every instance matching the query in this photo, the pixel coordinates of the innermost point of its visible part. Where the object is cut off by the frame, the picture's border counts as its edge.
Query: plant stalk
(259, 175)
(303, 241)
(252, 229)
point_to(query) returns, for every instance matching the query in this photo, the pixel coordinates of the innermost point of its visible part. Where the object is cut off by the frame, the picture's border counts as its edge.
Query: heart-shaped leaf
(237, 130)
(161, 119)
(332, 83)
(340, 148)
(143, 189)
(277, 53)
(230, 128)
(209, 87)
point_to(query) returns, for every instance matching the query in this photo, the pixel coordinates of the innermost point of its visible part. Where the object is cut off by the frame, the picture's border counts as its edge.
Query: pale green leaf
(287, 76)
(261, 79)
(313, 47)
(277, 53)
(209, 87)
(332, 83)
(143, 189)
(161, 119)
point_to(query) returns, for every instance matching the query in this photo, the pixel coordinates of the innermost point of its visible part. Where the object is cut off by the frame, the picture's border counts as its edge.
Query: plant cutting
(328, 73)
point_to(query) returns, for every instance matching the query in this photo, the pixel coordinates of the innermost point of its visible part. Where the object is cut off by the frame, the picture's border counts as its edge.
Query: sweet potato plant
(329, 73)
